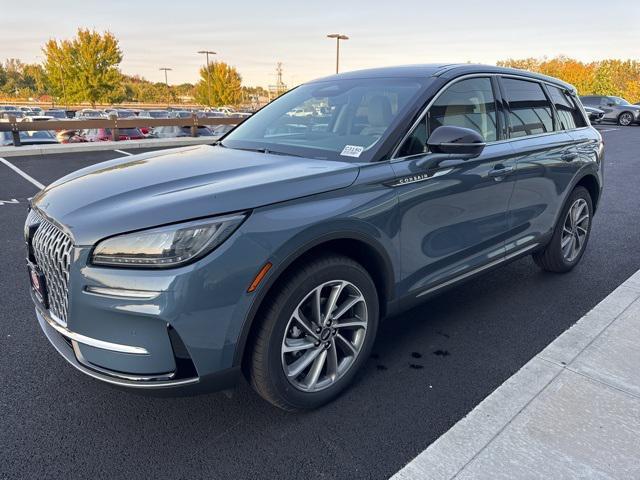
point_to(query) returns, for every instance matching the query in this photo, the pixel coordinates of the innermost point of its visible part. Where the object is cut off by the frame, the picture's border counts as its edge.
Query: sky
(254, 35)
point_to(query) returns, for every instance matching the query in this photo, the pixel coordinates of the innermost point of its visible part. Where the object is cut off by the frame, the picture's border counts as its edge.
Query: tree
(604, 77)
(84, 68)
(225, 85)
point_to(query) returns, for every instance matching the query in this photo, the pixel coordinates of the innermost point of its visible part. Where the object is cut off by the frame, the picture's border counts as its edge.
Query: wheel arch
(366, 251)
(590, 182)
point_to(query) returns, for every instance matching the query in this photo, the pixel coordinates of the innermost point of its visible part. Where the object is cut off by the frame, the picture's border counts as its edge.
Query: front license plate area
(38, 284)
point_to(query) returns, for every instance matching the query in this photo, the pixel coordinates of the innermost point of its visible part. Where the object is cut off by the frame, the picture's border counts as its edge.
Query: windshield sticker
(352, 151)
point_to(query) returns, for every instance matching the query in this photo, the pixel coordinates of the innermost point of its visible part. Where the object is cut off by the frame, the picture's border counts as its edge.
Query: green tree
(225, 85)
(84, 68)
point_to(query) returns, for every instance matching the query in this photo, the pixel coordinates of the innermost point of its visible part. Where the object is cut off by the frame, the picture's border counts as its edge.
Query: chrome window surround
(395, 158)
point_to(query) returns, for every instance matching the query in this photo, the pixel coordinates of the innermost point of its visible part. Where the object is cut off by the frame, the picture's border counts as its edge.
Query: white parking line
(607, 129)
(123, 152)
(22, 174)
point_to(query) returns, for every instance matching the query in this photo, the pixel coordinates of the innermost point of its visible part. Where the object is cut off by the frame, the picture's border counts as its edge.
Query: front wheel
(570, 235)
(317, 330)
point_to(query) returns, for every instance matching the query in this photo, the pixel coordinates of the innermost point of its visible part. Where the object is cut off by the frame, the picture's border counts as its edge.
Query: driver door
(453, 218)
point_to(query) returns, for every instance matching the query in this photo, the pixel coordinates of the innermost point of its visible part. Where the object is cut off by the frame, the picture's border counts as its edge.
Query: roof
(444, 70)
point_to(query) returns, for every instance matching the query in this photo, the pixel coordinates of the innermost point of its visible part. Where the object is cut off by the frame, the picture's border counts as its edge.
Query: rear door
(547, 161)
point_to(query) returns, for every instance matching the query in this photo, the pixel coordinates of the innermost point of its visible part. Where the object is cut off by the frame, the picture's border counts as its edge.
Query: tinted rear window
(569, 115)
(529, 108)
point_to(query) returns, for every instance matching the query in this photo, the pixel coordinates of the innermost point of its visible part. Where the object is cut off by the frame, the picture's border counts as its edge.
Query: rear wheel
(625, 119)
(570, 236)
(317, 331)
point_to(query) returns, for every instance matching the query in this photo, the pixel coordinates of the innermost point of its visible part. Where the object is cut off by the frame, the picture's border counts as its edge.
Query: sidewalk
(572, 412)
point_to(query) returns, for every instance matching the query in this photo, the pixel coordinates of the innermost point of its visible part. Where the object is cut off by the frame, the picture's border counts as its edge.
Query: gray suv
(615, 109)
(276, 251)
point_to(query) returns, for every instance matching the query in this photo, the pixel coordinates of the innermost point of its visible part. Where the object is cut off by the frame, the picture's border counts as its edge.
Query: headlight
(166, 247)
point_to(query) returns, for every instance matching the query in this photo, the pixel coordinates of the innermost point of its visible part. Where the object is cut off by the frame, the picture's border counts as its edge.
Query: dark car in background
(276, 253)
(58, 114)
(41, 137)
(615, 109)
(105, 134)
(595, 114)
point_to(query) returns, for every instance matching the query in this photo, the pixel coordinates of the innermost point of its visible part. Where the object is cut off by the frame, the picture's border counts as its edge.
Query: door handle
(568, 156)
(500, 171)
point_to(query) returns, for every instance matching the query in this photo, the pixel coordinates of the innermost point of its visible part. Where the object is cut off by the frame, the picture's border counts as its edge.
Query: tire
(558, 256)
(625, 119)
(278, 331)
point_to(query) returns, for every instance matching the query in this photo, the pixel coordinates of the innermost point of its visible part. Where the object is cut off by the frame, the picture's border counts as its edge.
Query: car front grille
(52, 251)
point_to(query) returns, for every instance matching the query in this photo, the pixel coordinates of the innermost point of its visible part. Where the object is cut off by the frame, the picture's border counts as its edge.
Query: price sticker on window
(352, 151)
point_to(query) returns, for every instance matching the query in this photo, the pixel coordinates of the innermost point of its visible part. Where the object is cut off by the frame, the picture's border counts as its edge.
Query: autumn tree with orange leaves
(605, 77)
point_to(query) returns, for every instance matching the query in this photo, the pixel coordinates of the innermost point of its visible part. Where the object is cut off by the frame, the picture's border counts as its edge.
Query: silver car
(615, 109)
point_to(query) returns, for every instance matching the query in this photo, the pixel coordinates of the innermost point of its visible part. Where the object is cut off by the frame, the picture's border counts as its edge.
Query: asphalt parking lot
(430, 366)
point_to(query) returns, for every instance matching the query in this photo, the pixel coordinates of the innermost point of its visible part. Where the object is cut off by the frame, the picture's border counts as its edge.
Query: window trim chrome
(394, 158)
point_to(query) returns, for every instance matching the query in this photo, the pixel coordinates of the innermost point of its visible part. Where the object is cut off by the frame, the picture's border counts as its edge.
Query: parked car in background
(595, 114)
(104, 134)
(277, 255)
(616, 109)
(8, 109)
(70, 136)
(37, 110)
(26, 110)
(18, 114)
(38, 118)
(29, 138)
(124, 113)
(86, 113)
(154, 114)
(180, 114)
(176, 131)
(58, 114)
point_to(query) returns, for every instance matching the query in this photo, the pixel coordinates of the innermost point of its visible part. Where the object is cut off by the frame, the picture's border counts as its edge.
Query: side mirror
(453, 140)
(611, 104)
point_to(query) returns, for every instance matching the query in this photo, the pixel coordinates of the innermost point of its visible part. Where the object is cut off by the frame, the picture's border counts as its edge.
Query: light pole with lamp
(338, 37)
(166, 82)
(207, 53)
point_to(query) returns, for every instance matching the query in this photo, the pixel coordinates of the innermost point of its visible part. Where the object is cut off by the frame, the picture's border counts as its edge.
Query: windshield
(335, 120)
(157, 114)
(57, 113)
(619, 101)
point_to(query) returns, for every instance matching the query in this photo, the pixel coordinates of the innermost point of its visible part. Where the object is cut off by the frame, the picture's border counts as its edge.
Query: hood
(170, 186)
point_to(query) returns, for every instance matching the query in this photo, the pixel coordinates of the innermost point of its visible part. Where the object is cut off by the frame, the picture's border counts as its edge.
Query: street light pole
(207, 53)
(166, 82)
(338, 37)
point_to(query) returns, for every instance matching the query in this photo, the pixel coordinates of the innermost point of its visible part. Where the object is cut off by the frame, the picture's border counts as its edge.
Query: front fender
(365, 214)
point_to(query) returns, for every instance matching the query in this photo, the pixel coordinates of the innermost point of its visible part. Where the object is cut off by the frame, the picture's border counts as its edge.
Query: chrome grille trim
(52, 250)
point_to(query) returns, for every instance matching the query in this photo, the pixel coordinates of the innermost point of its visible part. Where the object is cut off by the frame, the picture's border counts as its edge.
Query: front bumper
(67, 343)
(157, 329)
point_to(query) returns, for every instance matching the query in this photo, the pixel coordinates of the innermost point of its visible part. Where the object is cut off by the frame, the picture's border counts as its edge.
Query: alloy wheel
(324, 335)
(626, 119)
(574, 230)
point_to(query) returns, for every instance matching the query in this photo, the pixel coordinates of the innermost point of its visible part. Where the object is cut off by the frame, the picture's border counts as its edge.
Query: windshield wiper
(269, 151)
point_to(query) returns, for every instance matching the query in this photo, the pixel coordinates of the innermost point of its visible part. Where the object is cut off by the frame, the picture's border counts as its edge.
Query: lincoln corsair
(276, 251)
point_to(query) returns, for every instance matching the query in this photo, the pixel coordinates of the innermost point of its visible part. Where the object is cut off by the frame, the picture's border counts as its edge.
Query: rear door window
(529, 108)
(569, 115)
